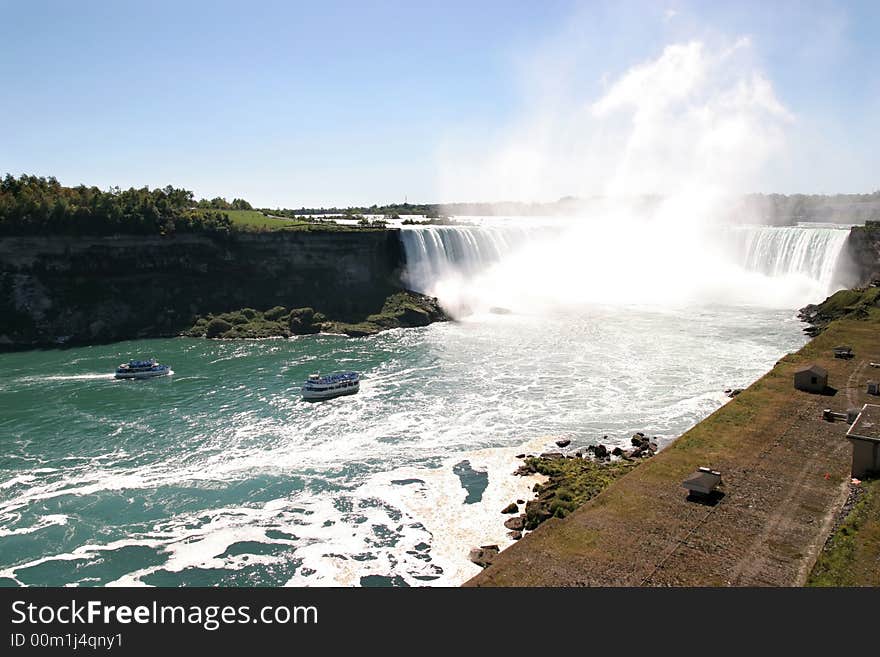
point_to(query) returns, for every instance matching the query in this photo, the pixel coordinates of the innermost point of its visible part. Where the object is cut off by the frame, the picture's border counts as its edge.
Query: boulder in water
(484, 555)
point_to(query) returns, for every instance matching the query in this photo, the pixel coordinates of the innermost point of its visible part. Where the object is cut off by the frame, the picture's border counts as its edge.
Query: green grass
(857, 303)
(571, 483)
(852, 556)
(253, 220)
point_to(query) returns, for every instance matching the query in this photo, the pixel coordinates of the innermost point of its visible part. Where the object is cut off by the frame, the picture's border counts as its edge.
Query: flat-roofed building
(702, 482)
(864, 434)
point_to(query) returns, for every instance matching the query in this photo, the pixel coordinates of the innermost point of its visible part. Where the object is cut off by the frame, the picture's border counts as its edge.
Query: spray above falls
(692, 128)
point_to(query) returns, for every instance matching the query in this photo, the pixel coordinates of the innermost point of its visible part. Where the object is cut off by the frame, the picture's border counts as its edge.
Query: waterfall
(523, 262)
(791, 250)
(437, 252)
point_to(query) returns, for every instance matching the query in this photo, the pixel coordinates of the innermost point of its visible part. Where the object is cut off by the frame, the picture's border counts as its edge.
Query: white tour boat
(318, 387)
(142, 369)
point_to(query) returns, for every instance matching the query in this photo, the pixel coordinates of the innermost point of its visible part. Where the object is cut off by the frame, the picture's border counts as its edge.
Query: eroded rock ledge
(404, 309)
(857, 303)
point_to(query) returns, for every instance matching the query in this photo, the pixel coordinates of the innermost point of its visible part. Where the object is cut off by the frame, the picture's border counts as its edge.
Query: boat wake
(68, 377)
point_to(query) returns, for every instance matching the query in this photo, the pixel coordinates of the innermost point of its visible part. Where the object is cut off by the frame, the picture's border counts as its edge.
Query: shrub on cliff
(276, 313)
(235, 318)
(304, 314)
(303, 321)
(216, 327)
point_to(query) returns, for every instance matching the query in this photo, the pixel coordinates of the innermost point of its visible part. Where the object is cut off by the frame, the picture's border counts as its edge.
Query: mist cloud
(696, 116)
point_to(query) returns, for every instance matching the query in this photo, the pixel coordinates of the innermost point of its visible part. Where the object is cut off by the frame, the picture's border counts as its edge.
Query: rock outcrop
(857, 303)
(571, 482)
(484, 555)
(863, 252)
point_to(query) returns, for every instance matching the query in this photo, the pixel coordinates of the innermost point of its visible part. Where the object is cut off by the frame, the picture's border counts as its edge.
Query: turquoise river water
(221, 475)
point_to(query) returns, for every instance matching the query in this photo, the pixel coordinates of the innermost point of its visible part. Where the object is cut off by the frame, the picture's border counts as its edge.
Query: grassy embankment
(852, 555)
(253, 220)
(571, 483)
(784, 471)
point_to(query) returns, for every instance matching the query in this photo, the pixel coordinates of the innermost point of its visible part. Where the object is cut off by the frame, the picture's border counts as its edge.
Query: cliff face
(863, 249)
(87, 289)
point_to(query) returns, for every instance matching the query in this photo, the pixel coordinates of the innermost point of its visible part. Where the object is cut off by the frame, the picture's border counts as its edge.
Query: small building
(812, 378)
(873, 388)
(843, 351)
(864, 435)
(702, 482)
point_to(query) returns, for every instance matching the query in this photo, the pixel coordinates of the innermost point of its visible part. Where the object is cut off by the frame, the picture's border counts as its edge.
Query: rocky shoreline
(572, 479)
(405, 309)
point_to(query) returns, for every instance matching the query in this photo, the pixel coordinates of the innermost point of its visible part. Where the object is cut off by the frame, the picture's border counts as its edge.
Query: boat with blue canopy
(142, 369)
(318, 387)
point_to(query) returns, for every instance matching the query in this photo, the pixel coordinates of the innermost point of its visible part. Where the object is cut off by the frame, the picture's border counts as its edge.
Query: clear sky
(338, 103)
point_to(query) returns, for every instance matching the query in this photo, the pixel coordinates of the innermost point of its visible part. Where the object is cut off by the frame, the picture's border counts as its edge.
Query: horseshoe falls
(565, 262)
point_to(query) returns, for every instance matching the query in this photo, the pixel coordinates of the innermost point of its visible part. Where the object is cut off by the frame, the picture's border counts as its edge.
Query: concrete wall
(865, 457)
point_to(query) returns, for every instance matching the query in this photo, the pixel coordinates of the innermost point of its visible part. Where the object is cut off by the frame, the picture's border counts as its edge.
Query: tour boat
(141, 369)
(318, 387)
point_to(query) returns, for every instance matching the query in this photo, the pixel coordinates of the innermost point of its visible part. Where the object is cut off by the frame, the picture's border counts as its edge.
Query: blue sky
(338, 103)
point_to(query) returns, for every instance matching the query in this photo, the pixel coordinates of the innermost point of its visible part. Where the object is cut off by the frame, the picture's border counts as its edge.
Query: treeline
(222, 204)
(782, 209)
(430, 210)
(32, 205)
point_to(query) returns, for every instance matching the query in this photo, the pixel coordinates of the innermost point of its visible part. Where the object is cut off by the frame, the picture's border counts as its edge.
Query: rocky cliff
(863, 251)
(56, 290)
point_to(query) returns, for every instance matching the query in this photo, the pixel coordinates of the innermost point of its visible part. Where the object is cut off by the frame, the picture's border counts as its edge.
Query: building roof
(867, 424)
(813, 369)
(702, 482)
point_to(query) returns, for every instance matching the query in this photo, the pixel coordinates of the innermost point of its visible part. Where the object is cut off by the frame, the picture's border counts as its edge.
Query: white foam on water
(94, 376)
(82, 553)
(407, 531)
(433, 513)
(79, 377)
(20, 479)
(41, 523)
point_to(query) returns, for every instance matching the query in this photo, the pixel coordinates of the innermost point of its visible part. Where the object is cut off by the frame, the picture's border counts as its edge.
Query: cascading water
(791, 250)
(568, 261)
(438, 252)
